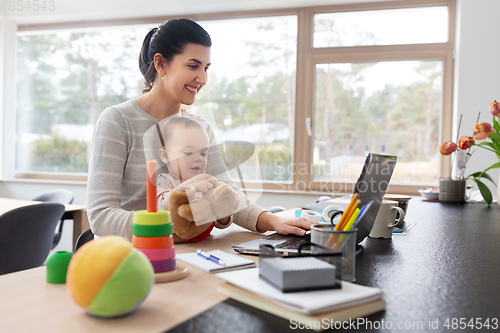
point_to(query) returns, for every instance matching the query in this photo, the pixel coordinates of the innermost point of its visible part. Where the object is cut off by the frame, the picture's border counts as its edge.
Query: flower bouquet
(465, 143)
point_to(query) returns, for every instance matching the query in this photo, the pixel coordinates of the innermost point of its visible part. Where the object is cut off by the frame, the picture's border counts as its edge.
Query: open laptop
(371, 186)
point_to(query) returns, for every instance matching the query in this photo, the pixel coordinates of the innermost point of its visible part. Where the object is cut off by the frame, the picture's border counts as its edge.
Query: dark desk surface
(446, 268)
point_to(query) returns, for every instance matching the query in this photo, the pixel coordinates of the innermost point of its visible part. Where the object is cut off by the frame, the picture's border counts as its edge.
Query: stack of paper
(352, 301)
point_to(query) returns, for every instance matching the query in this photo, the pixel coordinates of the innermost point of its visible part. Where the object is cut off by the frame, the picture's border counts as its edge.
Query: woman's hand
(202, 183)
(284, 225)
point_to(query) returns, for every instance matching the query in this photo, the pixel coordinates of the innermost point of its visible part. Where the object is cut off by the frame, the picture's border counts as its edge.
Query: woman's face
(186, 74)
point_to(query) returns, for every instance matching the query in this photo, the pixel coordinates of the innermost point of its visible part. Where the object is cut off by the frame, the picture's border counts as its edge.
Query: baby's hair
(165, 130)
(167, 127)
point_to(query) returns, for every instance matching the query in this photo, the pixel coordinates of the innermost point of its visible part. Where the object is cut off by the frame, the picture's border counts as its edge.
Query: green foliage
(70, 78)
(485, 191)
(274, 162)
(59, 154)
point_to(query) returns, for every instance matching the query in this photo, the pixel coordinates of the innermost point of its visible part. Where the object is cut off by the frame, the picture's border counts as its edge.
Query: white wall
(477, 70)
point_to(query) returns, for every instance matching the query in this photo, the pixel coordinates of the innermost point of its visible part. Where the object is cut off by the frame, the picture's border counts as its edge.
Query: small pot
(452, 190)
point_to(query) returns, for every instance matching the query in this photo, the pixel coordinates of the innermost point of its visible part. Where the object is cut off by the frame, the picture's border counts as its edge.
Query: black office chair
(61, 196)
(26, 235)
(275, 209)
(85, 237)
(323, 198)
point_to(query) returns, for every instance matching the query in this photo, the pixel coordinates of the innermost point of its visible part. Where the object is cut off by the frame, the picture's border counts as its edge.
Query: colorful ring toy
(159, 254)
(152, 230)
(152, 242)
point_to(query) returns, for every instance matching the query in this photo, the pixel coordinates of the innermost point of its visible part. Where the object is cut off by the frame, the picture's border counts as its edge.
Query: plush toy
(108, 277)
(218, 202)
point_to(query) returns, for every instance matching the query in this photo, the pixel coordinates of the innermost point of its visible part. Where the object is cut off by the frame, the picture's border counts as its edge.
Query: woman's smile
(191, 89)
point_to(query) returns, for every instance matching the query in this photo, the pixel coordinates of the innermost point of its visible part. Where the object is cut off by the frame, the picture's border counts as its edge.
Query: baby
(184, 152)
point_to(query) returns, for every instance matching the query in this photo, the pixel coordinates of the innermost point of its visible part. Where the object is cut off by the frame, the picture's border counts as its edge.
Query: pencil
(347, 227)
(347, 213)
(343, 220)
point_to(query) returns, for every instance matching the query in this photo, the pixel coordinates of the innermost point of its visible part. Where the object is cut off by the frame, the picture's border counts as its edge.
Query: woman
(174, 61)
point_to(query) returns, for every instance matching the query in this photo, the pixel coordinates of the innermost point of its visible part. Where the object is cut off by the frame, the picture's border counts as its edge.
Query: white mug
(386, 219)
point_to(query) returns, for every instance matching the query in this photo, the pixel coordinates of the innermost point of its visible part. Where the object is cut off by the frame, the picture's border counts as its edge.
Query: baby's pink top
(166, 183)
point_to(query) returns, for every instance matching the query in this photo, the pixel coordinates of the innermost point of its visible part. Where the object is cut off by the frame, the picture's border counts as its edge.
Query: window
(314, 89)
(388, 107)
(381, 27)
(251, 90)
(382, 82)
(64, 81)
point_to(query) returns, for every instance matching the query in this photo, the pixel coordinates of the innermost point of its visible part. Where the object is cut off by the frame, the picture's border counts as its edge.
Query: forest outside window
(313, 89)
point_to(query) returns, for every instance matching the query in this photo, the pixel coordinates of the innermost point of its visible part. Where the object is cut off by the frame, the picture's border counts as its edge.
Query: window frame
(307, 58)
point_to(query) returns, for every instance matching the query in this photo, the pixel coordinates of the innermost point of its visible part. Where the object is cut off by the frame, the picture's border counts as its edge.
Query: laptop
(371, 186)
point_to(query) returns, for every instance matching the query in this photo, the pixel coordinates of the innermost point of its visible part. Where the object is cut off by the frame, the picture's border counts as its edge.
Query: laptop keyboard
(293, 242)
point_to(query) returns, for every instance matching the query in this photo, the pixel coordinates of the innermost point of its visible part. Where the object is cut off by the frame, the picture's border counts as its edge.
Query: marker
(347, 227)
(210, 257)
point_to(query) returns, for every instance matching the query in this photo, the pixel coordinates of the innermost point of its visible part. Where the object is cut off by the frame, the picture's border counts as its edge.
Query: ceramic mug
(386, 219)
(403, 200)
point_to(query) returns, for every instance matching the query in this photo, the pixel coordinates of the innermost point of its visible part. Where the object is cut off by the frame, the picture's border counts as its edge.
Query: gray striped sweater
(117, 170)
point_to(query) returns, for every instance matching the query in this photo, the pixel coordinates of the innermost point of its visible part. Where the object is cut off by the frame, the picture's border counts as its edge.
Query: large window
(376, 92)
(384, 107)
(313, 89)
(251, 90)
(64, 81)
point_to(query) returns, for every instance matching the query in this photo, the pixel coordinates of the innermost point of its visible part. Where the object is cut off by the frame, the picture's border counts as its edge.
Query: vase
(452, 190)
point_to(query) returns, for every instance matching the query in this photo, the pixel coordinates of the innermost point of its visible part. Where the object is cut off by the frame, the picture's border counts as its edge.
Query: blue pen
(362, 213)
(210, 257)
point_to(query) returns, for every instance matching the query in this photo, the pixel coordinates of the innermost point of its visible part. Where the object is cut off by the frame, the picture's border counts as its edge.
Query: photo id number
(28, 5)
(475, 323)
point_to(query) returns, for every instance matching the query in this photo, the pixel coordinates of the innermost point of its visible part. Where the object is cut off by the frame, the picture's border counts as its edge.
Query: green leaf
(494, 166)
(496, 126)
(489, 144)
(495, 137)
(485, 192)
(482, 174)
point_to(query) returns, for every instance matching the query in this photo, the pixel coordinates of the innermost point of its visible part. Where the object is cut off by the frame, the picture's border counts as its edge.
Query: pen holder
(341, 241)
(314, 267)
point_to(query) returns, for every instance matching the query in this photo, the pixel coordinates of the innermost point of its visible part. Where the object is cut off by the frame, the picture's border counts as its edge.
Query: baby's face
(186, 152)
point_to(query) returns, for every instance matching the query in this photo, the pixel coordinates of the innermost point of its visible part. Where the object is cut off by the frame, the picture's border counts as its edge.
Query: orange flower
(447, 148)
(465, 142)
(482, 131)
(495, 108)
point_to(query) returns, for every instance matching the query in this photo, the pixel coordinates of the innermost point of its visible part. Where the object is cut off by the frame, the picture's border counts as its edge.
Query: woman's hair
(169, 39)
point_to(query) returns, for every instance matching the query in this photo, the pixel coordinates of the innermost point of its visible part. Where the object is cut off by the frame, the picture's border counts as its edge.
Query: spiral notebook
(232, 261)
(306, 302)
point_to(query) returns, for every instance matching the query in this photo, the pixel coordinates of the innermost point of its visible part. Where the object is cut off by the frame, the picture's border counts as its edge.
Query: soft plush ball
(108, 277)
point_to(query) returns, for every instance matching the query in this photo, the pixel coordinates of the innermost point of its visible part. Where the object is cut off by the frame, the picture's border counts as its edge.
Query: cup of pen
(343, 241)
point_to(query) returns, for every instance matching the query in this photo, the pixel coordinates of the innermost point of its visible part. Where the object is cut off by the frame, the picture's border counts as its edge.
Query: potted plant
(462, 148)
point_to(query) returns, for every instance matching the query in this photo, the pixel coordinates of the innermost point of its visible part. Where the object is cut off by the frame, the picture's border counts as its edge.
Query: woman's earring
(163, 77)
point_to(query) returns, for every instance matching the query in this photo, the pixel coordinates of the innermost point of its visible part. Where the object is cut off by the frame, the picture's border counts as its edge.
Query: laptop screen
(371, 186)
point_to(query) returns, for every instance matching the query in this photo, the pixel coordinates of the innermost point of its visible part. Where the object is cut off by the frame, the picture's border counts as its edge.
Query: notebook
(371, 186)
(232, 261)
(247, 282)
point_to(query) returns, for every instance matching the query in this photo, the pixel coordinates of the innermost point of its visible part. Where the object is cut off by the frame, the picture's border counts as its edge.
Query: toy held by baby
(194, 219)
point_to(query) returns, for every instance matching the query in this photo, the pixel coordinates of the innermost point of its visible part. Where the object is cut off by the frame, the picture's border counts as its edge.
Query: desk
(76, 213)
(447, 266)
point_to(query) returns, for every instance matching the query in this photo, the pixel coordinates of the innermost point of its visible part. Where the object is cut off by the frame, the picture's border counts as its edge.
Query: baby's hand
(202, 183)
